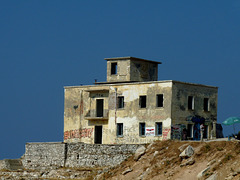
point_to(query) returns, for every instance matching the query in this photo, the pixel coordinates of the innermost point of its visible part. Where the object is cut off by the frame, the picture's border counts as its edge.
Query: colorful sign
(150, 131)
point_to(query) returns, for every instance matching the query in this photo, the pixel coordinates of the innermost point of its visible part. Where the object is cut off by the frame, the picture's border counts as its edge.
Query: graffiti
(165, 134)
(177, 130)
(78, 133)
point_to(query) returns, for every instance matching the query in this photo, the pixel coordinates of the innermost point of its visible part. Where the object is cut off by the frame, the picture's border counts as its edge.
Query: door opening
(98, 135)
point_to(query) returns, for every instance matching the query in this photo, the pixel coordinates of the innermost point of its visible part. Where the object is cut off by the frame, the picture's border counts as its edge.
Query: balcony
(97, 115)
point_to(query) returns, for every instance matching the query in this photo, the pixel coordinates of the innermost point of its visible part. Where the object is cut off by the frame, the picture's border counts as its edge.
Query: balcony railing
(97, 115)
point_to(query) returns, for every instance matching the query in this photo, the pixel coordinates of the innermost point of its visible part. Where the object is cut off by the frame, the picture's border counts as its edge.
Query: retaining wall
(54, 155)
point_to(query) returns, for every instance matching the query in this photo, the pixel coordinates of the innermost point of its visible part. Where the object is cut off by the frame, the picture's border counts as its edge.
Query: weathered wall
(180, 112)
(132, 69)
(39, 155)
(53, 155)
(131, 115)
(79, 123)
(143, 71)
(123, 71)
(91, 155)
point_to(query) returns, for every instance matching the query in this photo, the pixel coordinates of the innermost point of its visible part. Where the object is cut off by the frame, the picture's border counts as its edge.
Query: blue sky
(46, 45)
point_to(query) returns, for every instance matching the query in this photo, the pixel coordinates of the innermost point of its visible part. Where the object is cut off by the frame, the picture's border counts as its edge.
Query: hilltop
(160, 160)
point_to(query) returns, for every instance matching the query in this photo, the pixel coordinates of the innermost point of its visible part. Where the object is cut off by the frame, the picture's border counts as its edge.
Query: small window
(206, 104)
(190, 130)
(113, 68)
(119, 129)
(120, 102)
(141, 129)
(143, 101)
(159, 100)
(158, 128)
(190, 102)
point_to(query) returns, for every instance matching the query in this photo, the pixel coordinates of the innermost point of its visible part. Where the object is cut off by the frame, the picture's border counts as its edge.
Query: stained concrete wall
(80, 110)
(132, 69)
(55, 155)
(142, 71)
(180, 112)
(79, 123)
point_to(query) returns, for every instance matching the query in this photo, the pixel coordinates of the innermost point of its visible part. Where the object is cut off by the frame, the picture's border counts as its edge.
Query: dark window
(119, 129)
(100, 106)
(159, 100)
(113, 68)
(143, 101)
(141, 129)
(206, 104)
(158, 128)
(120, 102)
(190, 130)
(190, 102)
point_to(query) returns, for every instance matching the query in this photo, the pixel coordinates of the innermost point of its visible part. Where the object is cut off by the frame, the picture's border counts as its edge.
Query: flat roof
(131, 58)
(145, 82)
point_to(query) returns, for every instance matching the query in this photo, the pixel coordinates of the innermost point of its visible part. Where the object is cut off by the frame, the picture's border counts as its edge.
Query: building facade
(132, 107)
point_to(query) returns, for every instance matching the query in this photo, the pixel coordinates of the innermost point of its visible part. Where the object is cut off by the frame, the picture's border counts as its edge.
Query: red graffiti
(165, 133)
(78, 133)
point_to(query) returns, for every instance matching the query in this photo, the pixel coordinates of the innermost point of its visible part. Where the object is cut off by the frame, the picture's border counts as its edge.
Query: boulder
(139, 152)
(187, 162)
(188, 152)
(202, 173)
(127, 171)
(212, 177)
(182, 147)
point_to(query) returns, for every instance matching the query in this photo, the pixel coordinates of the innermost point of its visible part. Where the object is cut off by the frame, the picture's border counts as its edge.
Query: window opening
(159, 100)
(190, 102)
(158, 128)
(143, 101)
(119, 129)
(99, 107)
(120, 102)
(142, 129)
(113, 68)
(190, 130)
(206, 104)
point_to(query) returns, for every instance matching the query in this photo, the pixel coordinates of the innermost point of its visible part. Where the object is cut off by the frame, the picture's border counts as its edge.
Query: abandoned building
(133, 107)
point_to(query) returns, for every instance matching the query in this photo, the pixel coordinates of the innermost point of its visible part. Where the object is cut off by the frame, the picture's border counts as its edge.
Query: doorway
(98, 135)
(99, 107)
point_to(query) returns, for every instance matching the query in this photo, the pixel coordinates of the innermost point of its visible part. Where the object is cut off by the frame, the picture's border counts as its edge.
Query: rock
(188, 152)
(211, 162)
(52, 173)
(202, 173)
(149, 146)
(126, 171)
(139, 152)
(212, 177)
(155, 153)
(186, 162)
(182, 147)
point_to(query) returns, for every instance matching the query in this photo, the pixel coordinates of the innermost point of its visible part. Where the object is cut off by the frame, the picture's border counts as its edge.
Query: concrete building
(133, 107)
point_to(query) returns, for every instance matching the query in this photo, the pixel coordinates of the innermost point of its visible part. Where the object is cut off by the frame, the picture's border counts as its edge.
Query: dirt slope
(161, 161)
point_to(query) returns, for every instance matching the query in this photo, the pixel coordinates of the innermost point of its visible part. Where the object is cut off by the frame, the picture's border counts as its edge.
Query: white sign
(150, 131)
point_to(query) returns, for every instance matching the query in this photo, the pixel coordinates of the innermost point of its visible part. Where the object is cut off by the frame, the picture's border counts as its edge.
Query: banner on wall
(150, 131)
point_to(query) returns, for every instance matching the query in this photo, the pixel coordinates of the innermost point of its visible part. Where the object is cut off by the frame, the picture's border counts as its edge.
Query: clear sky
(46, 45)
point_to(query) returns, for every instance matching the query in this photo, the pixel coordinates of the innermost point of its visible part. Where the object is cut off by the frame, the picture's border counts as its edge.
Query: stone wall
(91, 155)
(55, 155)
(40, 155)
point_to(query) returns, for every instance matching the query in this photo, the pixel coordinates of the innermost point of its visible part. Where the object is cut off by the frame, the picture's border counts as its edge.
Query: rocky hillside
(159, 160)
